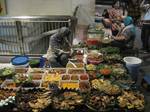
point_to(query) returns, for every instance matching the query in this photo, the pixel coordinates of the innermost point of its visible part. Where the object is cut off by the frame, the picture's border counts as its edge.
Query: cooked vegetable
(90, 67)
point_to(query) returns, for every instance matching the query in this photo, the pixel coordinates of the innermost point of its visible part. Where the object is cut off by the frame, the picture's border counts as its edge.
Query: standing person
(59, 48)
(145, 34)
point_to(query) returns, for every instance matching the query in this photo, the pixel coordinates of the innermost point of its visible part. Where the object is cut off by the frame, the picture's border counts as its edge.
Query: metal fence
(28, 34)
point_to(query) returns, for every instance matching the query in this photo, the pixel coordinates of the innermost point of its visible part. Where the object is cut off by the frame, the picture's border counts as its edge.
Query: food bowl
(94, 57)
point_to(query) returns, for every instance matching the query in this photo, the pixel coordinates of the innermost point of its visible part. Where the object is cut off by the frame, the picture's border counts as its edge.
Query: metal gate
(28, 34)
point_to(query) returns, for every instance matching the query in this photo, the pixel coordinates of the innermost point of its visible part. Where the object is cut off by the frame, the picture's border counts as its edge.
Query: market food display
(102, 84)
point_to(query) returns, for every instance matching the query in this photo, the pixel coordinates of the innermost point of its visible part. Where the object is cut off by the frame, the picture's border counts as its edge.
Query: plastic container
(20, 61)
(84, 86)
(84, 77)
(57, 70)
(33, 84)
(74, 77)
(76, 71)
(69, 85)
(133, 64)
(36, 76)
(10, 84)
(65, 77)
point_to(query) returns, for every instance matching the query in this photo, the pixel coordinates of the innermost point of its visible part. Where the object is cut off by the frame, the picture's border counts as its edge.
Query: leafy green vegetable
(110, 50)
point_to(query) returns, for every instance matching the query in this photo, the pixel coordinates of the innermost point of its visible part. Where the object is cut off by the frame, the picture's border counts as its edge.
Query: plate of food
(94, 58)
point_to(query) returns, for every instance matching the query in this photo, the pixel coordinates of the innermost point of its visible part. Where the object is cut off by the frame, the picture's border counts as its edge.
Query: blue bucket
(133, 64)
(20, 61)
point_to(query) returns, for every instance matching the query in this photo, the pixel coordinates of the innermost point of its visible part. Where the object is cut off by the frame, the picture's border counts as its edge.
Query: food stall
(94, 80)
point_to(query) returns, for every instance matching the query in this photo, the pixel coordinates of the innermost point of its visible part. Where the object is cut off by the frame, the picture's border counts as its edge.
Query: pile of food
(131, 100)
(100, 102)
(33, 100)
(106, 86)
(67, 101)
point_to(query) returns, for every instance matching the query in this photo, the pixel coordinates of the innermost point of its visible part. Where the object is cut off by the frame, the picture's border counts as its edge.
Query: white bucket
(132, 61)
(133, 64)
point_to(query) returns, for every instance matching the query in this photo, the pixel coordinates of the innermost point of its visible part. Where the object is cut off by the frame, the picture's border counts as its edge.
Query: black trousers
(145, 35)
